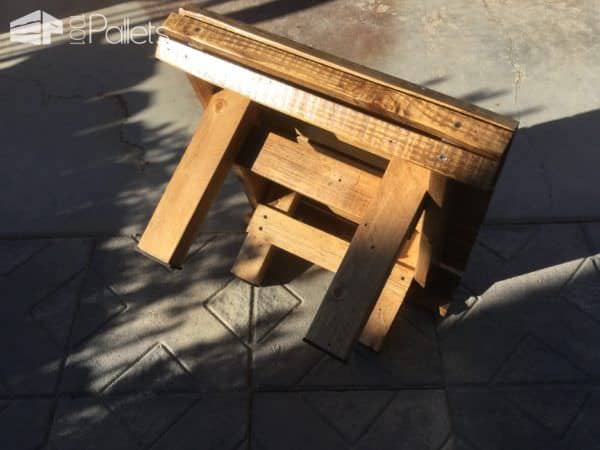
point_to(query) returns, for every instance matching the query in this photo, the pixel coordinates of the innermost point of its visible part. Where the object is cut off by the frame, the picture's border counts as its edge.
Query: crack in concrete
(518, 74)
(123, 106)
(119, 99)
(513, 59)
(489, 12)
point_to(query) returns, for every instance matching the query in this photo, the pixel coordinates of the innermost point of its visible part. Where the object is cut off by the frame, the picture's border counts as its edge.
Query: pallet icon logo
(35, 28)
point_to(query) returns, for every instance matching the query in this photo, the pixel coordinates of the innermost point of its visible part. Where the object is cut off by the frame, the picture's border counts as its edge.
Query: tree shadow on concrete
(274, 9)
(526, 295)
(104, 334)
(93, 133)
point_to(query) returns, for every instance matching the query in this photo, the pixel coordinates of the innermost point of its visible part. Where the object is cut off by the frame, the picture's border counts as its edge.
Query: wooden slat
(333, 61)
(392, 296)
(268, 226)
(354, 291)
(256, 253)
(432, 227)
(318, 247)
(375, 98)
(309, 243)
(198, 178)
(319, 174)
(344, 185)
(354, 127)
(289, 126)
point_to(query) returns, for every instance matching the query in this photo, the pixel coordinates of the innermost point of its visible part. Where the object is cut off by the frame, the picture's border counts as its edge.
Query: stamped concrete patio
(103, 349)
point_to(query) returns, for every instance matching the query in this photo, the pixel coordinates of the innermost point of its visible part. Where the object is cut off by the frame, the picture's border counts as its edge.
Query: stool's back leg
(254, 257)
(203, 90)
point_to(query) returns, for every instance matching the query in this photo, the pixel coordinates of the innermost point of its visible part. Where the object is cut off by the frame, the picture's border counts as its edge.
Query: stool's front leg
(198, 178)
(388, 222)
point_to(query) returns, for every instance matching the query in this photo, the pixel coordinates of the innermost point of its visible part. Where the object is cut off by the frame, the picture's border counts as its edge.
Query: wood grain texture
(344, 185)
(254, 185)
(366, 266)
(325, 250)
(253, 259)
(347, 186)
(318, 247)
(293, 236)
(348, 66)
(203, 90)
(370, 133)
(197, 178)
(256, 253)
(432, 226)
(393, 295)
(318, 173)
(374, 98)
(384, 313)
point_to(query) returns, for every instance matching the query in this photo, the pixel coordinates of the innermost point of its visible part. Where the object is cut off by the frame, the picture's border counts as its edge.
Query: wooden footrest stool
(368, 176)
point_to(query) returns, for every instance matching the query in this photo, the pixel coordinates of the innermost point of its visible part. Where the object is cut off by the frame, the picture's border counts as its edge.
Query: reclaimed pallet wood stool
(350, 169)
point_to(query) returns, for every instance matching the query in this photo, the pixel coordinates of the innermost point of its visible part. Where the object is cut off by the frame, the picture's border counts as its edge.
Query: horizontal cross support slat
(318, 247)
(315, 172)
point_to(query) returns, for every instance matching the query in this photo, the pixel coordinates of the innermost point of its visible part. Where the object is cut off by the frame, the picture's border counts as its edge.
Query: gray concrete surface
(103, 349)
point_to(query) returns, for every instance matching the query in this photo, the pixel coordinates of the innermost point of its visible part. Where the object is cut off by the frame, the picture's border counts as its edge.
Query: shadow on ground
(93, 132)
(104, 349)
(105, 334)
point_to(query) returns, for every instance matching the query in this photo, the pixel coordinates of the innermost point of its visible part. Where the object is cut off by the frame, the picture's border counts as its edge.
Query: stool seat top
(422, 116)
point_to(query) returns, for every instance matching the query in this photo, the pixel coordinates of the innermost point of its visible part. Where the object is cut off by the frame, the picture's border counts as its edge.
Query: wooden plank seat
(388, 160)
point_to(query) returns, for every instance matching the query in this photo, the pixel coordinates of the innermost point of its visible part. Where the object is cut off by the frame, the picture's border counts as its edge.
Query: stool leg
(384, 313)
(198, 178)
(254, 185)
(393, 294)
(387, 224)
(203, 90)
(433, 227)
(256, 253)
